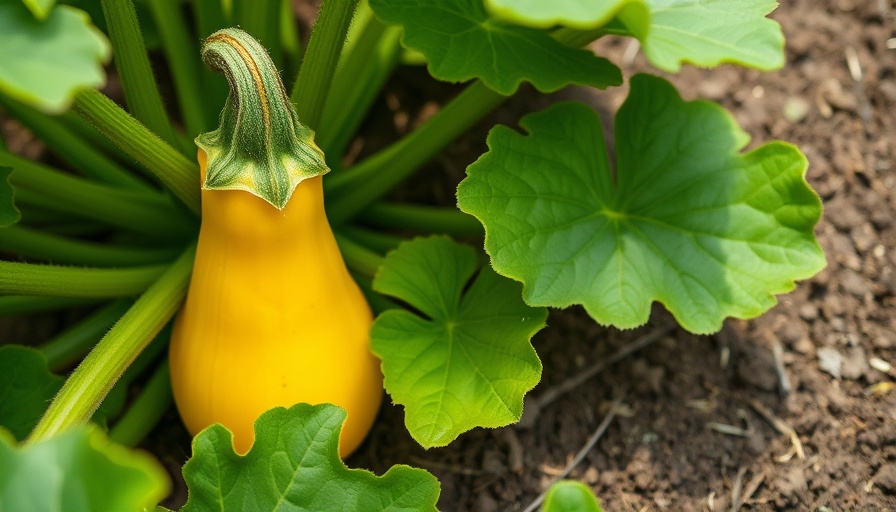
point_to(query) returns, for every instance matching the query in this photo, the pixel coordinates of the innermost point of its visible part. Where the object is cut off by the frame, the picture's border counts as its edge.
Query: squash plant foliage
(680, 215)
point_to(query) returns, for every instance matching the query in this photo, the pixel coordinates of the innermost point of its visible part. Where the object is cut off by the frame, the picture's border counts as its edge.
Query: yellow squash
(272, 316)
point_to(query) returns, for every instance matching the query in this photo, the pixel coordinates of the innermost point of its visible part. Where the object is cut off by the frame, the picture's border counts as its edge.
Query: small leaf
(9, 214)
(26, 388)
(40, 8)
(46, 62)
(710, 32)
(468, 362)
(570, 496)
(582, 14)
(294, 465)
(689, 222)
(78, 471)
(461, 42)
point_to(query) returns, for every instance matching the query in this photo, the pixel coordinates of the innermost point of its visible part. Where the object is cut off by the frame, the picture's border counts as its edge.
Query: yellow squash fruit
(272, 316)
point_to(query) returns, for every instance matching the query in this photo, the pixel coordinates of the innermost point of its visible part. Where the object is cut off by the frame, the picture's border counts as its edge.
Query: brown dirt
(664, 450)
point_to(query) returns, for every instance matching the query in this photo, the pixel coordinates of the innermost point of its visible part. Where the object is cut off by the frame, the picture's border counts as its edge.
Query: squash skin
(272, 318)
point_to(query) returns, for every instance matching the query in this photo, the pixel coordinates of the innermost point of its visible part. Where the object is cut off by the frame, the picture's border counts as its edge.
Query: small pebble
(830, 361)
(880, 365)
(796, 109)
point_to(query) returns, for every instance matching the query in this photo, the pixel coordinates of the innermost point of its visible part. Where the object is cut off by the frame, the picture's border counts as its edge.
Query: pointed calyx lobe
(260, 145)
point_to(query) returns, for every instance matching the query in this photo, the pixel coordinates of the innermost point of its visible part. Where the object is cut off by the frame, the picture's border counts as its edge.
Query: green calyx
(260, 145)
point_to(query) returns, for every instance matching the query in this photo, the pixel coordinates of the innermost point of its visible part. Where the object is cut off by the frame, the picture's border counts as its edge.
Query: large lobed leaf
(461, 41)
(9, 214)
(78, 471)
(583, 14)
(710, 32)
(26, 388)
(570, 496)
(466, 360)
(689, 222)
(294, 465)
(45, 62)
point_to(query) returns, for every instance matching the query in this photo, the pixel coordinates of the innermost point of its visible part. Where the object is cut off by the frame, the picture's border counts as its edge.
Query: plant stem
(73, 149)
(375, 240)
(91, 381)
(182, 54)
(289, 40)
(53, 190)
(427, 219)
(37, 244)
(22, 304)
(68, 346)
(310, 91)
(382, 171)
(132, 62)
(357, 83)
(54, 281)
(261, 19)
(147, 409)
(175, 171)
(358, 258)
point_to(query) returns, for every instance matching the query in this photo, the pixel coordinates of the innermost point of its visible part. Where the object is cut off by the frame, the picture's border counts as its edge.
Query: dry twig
(781, 427)
(581, 454)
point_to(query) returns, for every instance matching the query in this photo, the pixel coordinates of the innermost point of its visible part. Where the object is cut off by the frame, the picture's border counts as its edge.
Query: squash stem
(209, 18)
(147, 409)
(74, 150)
(321, 57)
(24, 304)
(67, 347)
(91, 381)
(154, 215)
(356, 188)
(181, 53)
(54, 281)
(423, 218)
(39, 244)
(132, 62)
(358, 82)
(179, 174)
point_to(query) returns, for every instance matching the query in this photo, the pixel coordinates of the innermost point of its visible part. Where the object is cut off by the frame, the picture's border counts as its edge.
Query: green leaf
(46, 62)
(26, 388)
(710, 32)
(78, 471)
(39, 8)
(582, 14)
(689, 222)
(466, 361)
(461, 42)
(570, 496)
(294, 465)
(9, 214)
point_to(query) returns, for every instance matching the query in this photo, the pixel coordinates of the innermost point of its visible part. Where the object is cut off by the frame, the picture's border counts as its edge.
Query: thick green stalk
(38, 244)
(310, 91)
(73, 149)
(182, 56)
(378, 241)
(426, 219)
(132, 62)
(86, 388)
(289, 40)
(354, 189)
(54, 281)
(358, 81)
(155, 215)
(147, 409)
(23, 304)
(68, 346)
(177, 173)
